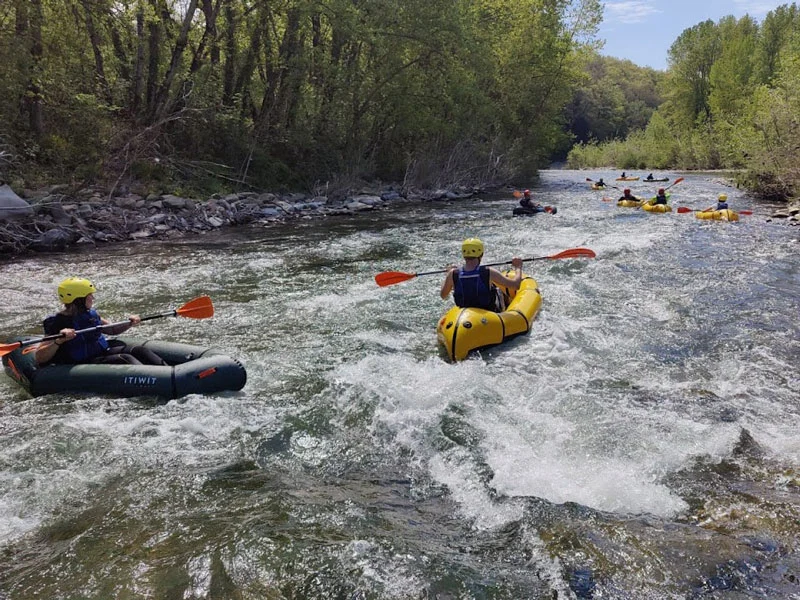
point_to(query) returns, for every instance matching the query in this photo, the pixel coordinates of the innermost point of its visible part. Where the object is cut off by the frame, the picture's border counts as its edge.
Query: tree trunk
(138, 69)
(153, 58)
(162, 102)
(229, 68)
(34, 93)
(94, 39)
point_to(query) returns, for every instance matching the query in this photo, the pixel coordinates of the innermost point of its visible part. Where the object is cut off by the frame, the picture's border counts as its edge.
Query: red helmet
(626, 191)
(527, 193)
(660, 190)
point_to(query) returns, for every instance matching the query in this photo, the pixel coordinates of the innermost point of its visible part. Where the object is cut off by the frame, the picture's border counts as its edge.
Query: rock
(215, 222)
(59, 213)
(53, 239)
(174, 202)
(13, 207)
(369, 200)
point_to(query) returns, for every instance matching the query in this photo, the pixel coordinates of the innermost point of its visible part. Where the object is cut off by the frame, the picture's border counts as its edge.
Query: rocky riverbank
(57, 218)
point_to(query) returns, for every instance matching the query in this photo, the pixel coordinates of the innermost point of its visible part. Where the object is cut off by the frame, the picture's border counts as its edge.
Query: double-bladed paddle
(686, 209)
(393, 277)
(199, 308)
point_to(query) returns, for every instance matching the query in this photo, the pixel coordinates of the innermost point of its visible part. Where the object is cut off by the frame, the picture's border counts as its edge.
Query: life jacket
(85, 346)
(660, 200)
(722, 206)
(472, 289)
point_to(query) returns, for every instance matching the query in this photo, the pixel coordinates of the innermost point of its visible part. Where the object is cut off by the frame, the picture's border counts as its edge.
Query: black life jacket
(473, 289)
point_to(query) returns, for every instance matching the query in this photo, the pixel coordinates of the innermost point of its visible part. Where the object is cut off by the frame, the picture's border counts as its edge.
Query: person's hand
(135, 319)
(449, 268)
(516, 262)
(68, 334)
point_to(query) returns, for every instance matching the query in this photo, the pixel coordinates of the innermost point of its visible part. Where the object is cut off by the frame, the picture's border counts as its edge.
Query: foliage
(617, 98)
(731, 100)
(289, 93)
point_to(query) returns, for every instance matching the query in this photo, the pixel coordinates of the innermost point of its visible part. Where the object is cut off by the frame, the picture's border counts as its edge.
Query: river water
(641, 442)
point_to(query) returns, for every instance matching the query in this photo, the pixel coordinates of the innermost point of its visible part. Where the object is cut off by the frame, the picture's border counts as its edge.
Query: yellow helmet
(73, 288)
(723, 197)
(472, 248)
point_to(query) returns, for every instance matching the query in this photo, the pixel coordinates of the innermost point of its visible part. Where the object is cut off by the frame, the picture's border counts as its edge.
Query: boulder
(12, 206)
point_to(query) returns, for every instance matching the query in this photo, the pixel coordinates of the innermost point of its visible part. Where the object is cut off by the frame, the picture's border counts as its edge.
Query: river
(641, 442)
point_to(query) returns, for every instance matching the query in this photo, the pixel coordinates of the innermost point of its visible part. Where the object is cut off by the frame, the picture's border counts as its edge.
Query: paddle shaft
(55, 336)
(497, 264)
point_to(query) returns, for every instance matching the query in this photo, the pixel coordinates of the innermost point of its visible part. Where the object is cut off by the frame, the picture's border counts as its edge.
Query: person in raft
(626, 195)
(91, 347)
(474, 286)
(722, 203)
(661, 196)
(622, 176)
(528, 203)
(649, 177)
(600, 183)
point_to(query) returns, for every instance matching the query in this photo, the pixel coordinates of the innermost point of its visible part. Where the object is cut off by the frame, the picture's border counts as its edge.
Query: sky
(643, 30)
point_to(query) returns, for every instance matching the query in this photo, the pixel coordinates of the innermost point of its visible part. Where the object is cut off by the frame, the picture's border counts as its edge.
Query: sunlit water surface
(641, 442)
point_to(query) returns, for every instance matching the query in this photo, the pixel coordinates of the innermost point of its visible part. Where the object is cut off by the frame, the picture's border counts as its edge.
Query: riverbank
(59, 218)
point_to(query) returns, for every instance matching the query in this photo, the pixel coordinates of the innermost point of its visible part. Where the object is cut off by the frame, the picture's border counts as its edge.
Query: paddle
(199, 308)
(686, 209)
(673, 184)
(604, 184)
(392, 277)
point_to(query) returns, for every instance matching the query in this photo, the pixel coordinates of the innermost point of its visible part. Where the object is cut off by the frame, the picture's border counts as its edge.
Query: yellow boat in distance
(627, 179)
(657, 208)
(629, 203)
(464, 330)
(718, 215)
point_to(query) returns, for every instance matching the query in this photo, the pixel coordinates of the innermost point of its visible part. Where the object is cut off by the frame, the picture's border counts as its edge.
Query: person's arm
(119, 329)
(447, 285)
(47, 350)
(497, 278)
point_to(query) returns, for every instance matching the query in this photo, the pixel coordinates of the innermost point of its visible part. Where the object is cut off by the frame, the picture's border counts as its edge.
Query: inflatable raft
(191, 370)
(651, 206)
(596, 187)
(627, 179)
(659, 179)
(629, 203)
(521, 211)
(718, 215)
(463, 330)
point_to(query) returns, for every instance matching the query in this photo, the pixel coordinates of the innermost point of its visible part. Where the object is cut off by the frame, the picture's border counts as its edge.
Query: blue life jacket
(472, 289)
(722, 206)
(661, 200)
(85, 346)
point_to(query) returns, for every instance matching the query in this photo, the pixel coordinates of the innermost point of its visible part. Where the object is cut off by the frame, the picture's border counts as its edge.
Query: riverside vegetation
(227, 100)
(730, 100)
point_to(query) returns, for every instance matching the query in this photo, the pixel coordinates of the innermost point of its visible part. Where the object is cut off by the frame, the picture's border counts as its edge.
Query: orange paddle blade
(7, 348)
(517, 194)
(392, 277)
(574, 253)
(199, 308)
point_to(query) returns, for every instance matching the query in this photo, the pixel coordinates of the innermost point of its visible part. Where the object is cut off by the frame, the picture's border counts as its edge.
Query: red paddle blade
(392, 277)
(745, 212)
(199, 308)
(8, 348)
(684, 209)
(575, 253)
(517, 194)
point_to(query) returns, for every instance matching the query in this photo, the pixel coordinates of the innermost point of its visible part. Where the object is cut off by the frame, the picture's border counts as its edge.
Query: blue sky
(643, 30)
